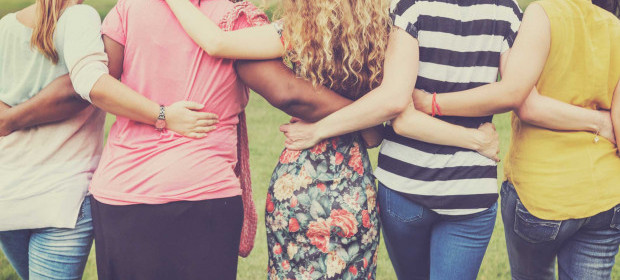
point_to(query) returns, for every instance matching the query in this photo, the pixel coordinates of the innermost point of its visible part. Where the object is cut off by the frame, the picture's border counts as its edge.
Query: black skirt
(178, 240)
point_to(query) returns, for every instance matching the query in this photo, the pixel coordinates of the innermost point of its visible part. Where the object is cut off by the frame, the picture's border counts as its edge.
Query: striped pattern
(461, 42)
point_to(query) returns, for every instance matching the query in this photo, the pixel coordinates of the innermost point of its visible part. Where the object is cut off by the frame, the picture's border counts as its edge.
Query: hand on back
(185, 118)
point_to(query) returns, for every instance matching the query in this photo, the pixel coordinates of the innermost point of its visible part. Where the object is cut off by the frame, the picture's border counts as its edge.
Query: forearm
(297, 97)
(116, 98)
(420, 126)
(260, 42)
(56, 102)
(486, 100)
(200, 28)
(549, 113)
(370, 110)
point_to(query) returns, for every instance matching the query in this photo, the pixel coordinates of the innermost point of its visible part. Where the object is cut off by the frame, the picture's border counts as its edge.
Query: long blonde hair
(337, 43)
(48, 13)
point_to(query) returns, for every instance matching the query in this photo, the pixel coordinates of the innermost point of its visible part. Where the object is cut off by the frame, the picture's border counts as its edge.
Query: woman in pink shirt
(170, 207)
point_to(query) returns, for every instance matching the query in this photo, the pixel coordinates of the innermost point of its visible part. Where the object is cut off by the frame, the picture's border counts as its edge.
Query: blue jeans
(425, 245)
(50, 253)
(585, 248)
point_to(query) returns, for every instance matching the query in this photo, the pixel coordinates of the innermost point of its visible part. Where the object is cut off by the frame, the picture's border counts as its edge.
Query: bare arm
(297, 97)
(384, 103)
(550, 113)
(420, 126)
(114, 97)
(261, 42)
(527, 59)
(56, 102)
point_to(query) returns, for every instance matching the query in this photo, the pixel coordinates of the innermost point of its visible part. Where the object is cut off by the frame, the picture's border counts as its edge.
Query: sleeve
(83, 48)
(114, 23)
(243, 14)
(514, 19)
(404, 15)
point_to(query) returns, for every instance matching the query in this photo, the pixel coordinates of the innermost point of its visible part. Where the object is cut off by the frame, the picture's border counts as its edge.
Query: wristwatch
(160, 123)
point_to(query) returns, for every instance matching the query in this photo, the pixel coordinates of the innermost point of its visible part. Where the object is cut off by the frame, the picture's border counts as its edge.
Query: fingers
(291, 145)
(204, 129)
(191, 105)
(196, 135)
(210, 122)
(206, 116)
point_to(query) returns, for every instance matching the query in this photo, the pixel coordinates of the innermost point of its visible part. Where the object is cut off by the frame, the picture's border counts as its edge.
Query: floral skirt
(321, 213)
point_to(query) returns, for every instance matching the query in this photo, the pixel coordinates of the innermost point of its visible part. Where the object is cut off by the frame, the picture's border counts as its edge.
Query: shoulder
(5, 19)
(399, 7)
(243, 14)
(80, 13)
(536, 11)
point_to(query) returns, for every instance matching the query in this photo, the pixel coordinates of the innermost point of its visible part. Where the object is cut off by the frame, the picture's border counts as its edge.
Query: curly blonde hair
(337, 43)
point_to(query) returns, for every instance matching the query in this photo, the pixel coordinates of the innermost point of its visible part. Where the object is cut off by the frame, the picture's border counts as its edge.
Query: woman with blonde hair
(438, 197)
(51, 140)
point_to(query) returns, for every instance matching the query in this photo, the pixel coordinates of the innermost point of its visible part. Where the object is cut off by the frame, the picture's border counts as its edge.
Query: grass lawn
(265, 145)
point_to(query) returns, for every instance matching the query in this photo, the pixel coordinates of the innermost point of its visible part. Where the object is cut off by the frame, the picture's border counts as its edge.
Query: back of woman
(59, 157)
(45, 169)
(326, 194)
(554, 179)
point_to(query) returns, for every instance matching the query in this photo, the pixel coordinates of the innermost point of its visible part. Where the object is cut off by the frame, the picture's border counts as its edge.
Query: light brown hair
(48, 13)
(337, 43)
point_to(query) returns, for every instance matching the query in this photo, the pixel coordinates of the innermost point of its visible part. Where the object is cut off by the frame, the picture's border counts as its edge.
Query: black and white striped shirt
(460, 46)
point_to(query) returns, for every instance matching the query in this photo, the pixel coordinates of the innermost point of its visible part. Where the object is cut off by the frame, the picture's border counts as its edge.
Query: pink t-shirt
(142, 165)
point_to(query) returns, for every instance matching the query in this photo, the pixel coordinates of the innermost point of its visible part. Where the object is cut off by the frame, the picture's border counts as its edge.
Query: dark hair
(612, 6)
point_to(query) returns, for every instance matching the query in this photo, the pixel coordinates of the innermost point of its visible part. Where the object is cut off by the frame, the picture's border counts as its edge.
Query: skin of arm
(114, 97)
(415, 125)
(615, 112)
(56, 102)
(264, 40)
(384, 103)
(545, 112)
(527, 59)
(275, 82)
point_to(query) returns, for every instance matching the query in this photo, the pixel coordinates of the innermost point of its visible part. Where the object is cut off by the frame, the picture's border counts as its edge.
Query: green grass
(266, 143)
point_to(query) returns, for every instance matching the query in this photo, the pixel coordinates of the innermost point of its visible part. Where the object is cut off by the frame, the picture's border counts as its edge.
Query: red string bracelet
(433, 104)
(437, 104)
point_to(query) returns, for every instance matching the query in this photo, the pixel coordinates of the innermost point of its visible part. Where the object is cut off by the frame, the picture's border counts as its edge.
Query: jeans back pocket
(533, 229)
(401, 208)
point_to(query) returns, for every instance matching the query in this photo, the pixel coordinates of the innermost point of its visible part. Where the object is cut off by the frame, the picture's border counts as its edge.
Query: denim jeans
(50, 253)
(425, 245)
(585, 248)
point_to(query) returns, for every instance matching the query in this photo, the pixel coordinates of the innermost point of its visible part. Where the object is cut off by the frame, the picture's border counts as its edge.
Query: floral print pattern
(321, 213)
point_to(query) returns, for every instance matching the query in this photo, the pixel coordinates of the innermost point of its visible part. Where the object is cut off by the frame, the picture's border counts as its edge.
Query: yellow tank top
(565, 175)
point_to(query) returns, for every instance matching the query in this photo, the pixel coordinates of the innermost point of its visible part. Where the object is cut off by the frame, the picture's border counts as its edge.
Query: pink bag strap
(254, 17)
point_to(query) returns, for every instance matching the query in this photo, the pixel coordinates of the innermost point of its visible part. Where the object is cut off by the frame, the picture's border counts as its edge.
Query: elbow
(283, 103)
(395, 108)
(399, 124)
(525, 113)
(528, 111)
(215, 48)
(286, 95)
(515, 96)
